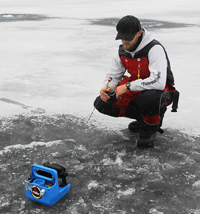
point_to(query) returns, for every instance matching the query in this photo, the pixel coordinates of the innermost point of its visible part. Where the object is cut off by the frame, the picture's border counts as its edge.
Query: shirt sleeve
(116, 73)
(158, 71)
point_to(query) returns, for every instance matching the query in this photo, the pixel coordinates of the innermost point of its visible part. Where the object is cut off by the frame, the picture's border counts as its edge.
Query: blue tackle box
(46, 184)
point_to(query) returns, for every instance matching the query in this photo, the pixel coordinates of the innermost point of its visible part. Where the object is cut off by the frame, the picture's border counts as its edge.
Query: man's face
(129, 45)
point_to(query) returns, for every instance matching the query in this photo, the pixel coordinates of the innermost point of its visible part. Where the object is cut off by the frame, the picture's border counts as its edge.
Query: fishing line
(104, 90)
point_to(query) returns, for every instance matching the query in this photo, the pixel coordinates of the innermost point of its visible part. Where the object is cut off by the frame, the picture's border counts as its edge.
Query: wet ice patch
(22, 17)
(55, 154)
(108, 161)
(78, 167)
(81, 148)
(81, 202)
(7, 16)
(194, 211)
(147, 23)
(39, 111)
(93, 184)
(31, 145)
(117, 161)
(129, 191)
(14, 102)
(155, 211)
(196, 184)
(3, 167)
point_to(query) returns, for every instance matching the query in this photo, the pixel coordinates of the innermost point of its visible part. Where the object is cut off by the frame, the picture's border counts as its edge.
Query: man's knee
(98, 104)
(151, 95)
(106, 107)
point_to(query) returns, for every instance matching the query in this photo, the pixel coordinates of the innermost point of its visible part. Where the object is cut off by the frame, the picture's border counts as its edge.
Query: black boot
(147, 135)
(133, 112)
(134, 126)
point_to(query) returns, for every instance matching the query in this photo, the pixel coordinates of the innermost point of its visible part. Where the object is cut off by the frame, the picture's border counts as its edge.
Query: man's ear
(139, 33)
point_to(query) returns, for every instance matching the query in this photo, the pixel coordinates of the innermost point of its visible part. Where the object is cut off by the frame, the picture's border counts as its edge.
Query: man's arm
(116, 72)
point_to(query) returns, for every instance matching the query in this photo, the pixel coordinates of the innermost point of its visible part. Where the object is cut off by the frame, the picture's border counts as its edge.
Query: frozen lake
(54, 57)
(55, 54)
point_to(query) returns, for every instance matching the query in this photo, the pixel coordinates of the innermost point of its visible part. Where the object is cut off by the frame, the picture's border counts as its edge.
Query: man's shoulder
(145, 50)
(151, 44)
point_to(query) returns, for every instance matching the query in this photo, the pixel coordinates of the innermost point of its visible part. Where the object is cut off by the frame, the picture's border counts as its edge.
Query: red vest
(138, 66)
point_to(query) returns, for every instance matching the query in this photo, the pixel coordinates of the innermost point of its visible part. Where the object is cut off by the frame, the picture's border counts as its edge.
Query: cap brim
(127, 37)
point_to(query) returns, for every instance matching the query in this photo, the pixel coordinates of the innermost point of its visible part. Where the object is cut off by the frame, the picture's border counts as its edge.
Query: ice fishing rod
(104, 90)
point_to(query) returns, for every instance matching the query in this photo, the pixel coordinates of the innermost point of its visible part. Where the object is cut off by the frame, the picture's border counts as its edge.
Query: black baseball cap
(127, 28)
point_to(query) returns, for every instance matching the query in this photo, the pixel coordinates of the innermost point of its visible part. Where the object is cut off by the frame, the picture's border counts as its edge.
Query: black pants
(148, 104)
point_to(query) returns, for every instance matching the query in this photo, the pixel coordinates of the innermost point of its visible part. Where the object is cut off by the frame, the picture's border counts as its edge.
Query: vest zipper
(138, 59)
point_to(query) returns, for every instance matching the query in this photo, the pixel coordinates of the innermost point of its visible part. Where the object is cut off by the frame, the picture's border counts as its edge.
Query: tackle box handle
(35, 175)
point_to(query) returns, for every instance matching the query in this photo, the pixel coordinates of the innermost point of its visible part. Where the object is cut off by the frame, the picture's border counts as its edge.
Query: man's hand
(104, 96)
(120, 90)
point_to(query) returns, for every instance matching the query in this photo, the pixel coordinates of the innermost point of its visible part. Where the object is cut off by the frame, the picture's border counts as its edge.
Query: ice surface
(59, 64)
(31, 145)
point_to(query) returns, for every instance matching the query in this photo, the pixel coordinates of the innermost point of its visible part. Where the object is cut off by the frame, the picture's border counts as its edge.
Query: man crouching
(146, 93)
